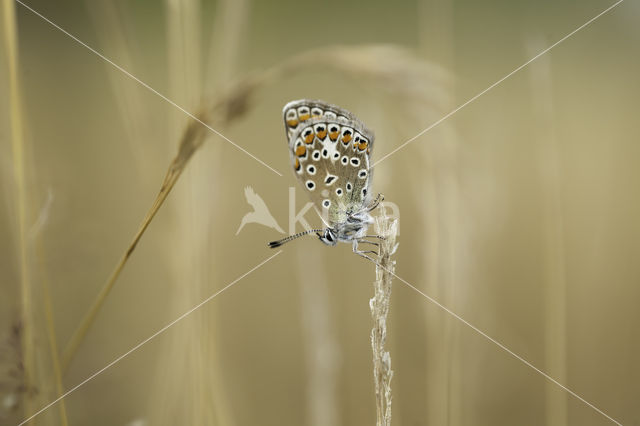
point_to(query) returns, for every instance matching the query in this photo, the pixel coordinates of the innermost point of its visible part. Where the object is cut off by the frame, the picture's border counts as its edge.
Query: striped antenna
(278, 243)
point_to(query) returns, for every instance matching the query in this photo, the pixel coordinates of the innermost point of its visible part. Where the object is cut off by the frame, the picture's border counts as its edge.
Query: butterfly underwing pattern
(329, 150)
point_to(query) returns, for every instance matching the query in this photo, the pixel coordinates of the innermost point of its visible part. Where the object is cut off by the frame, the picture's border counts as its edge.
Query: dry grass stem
(192, 139)
(385, 227)
(35, 235)
(19, 174)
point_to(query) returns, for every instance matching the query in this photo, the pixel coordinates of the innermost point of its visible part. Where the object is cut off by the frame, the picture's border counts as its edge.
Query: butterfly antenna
(278, 243)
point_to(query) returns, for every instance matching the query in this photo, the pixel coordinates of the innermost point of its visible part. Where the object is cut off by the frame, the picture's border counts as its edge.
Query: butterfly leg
(361, 252)
(376, 202)
(370, 242)
(362, 240)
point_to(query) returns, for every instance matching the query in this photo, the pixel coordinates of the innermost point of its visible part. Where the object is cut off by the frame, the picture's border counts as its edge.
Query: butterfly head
(328, 236)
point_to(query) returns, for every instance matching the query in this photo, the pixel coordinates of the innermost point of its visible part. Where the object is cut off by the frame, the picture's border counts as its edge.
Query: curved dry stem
(192, 139)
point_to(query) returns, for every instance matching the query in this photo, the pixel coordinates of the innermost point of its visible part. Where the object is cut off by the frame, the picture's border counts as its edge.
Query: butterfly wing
(329, 150)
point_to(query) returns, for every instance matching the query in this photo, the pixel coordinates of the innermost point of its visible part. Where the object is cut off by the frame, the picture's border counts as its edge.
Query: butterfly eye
(355, 162)
(310, 185)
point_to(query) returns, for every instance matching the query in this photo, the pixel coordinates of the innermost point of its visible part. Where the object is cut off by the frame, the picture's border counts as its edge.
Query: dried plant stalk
(192, 139)
(19, 154)
(385, 227)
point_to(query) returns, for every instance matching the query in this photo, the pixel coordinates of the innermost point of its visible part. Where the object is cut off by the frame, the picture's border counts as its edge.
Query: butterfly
(330, 151)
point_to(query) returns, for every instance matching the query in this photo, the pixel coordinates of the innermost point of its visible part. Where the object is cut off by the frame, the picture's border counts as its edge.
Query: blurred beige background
(519, 212)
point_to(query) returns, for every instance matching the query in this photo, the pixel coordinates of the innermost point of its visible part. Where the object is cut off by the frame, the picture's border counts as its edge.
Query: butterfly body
(329, 150)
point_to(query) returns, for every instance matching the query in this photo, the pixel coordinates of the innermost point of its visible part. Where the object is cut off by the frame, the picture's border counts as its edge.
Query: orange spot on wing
(297, 165)
(333, 136)
(322, 134)
(301, 151)
(346, 138)
(362, 146)
(292, 123)
(309, 138)
(304, 117)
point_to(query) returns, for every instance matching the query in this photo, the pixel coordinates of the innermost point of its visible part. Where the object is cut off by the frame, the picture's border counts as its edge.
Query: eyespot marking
(339, 192)
(347, 134)
(345, 160)
(311, 169)
(330, 179)
(321, 131)
(355, 162)
(362, 174)
(310, 185)
(349, 187)
(308, 135)
(303, 113)
(326, 204)
(334, 132)
(316, 155)
(292, 118)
